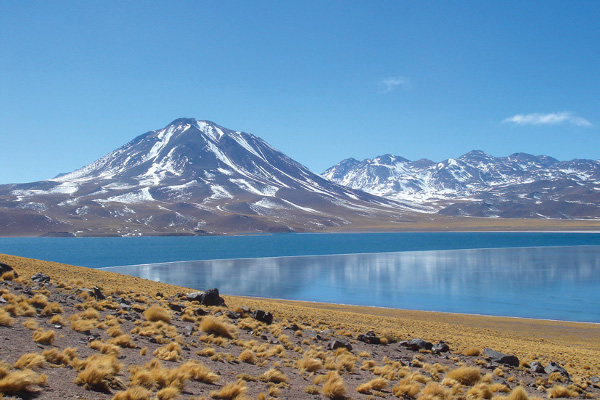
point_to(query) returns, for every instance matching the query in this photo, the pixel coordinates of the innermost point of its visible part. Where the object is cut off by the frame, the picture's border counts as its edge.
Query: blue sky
(319, 80)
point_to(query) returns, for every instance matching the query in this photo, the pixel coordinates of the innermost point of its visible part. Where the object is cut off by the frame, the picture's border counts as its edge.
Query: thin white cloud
(548, 119)
(390, 83)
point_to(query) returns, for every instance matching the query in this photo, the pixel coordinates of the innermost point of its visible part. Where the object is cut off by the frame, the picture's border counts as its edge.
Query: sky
(319, 80)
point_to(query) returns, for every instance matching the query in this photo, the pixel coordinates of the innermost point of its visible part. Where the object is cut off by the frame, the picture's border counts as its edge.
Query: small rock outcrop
(440, 347)
(417, 344)
(40, 278)
(501, 358)
(98, 293)
(369, 337)
(537, 368)
(7, 268)
(208, 298)
(338, 343)
(263, 316)
(556, 367)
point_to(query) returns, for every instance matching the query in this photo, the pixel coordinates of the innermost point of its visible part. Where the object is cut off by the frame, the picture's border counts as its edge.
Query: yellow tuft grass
(169, 352)
(5, 318)
(199, 372)
(375, 384)
(30, 361)
(247, 356)
(561, 391)
(168, 393)
(210, 324)
(31, 323)
(231, 391)
(123, 341)
(99, 372)
(44, 337)
(334, 386)
(82, 325)
(63, 358)
(472, 352)
(465, 375)
(156, 313)
(518, 393)
(20, 382)
(434, 391)
(309, 364)
(133, 393)
(274, 375)
(406, 388)
(105, 348)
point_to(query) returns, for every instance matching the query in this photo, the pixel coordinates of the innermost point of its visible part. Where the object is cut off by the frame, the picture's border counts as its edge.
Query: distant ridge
(477, 184)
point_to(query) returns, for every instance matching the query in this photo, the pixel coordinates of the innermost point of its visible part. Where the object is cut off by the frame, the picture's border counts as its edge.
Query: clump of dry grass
(334, 386)
(44, 337)
(30, 361)
(98, 372)
(82, 325)
(472, 352)
(31, 323)
(274, 375)
(199, 372)
(63, 358)
(5, 318)
(133, 393)
(434, 391)
(518, 393)
(169, 352)
(375, 384)
(309, 364)
(465, 375)
(156, 313)
(168, 393)
(406, 388)
(105, 348)
(124, 341)
(561, 391)
(210, 324)
(20, 382)
(247, 356)
(231, 391)
(51, 309)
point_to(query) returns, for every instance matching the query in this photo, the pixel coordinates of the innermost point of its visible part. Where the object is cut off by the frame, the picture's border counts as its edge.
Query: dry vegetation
(152, 343)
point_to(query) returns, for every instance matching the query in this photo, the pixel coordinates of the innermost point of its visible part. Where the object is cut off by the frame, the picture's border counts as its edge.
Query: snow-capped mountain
(478, 184)
(190, 177)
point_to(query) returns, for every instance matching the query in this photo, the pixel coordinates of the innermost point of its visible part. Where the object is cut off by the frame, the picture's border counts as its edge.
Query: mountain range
(195, 178)
(480, 185)
(191, 177)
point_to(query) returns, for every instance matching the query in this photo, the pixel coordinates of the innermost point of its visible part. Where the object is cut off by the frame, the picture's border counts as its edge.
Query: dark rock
(40, 278)
(233, 315)
(501, 358)
(311, 333)
(263, 316)
(211, 298)
(326, 332)
(208, 298)
(417, 344)
(196, 296)
(338, 343)
(176, 307)
(245, 310)
(555, 367)
(218, 314)
(200, 311)
(121, 300)
(98, 293)
(440, 347)
(294, 327)
(369, 337)
(7, 268)
(537, 367)
(125, 307)
(159, 294)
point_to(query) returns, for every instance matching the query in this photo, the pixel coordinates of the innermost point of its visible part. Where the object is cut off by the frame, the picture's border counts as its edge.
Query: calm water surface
(544, 282)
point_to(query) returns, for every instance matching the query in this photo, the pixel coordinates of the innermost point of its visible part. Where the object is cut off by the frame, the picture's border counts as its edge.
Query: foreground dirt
(146, 339)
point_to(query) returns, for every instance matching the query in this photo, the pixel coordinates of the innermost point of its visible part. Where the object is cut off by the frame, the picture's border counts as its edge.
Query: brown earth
(244, 350)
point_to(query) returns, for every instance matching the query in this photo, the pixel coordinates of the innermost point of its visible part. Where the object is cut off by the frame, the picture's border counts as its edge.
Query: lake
(535, 275)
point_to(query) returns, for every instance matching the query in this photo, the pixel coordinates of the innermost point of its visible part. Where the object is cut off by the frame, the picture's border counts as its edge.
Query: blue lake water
(537, 275)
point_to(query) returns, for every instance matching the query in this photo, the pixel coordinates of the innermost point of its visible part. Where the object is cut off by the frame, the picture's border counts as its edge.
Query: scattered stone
(338, 343)
(40, 278)
(200, 311)
(176, 307)
(125, 306)
(369, 337)
(208, 298)
(440, 347)
(98, 293)
(7, 268)
(233, 314)
(311, 333)
(263, 316)
(556, 367)
(501, 358)
(537, 368)
(417, 344)
(159, 294)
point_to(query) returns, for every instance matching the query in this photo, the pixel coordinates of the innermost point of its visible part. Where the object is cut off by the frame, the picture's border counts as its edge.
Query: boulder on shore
(501, 358)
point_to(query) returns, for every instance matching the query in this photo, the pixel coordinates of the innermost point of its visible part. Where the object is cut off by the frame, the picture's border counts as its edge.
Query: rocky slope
(191, 177)
(91, 337)
(480, 185)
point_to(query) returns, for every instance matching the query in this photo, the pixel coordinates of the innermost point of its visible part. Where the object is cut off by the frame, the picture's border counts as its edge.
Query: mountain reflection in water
(542, 282)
